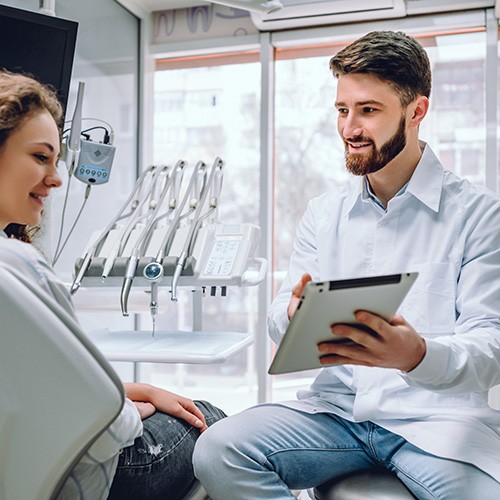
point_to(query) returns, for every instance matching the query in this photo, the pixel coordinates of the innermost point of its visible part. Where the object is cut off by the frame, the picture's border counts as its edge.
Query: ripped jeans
(159, 463)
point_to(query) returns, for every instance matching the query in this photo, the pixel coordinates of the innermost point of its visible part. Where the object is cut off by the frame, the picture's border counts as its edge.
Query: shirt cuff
(277, 325)
(431, 369)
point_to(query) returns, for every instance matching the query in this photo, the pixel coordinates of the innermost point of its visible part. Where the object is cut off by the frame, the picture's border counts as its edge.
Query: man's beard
(359, 164)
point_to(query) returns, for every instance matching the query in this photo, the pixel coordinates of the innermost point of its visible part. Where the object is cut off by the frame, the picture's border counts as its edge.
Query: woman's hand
(145, 409)
(166, 402)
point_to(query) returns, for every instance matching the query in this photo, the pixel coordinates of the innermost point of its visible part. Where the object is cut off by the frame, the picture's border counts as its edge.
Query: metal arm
(131, 200)
(154, 207)
(196, 222)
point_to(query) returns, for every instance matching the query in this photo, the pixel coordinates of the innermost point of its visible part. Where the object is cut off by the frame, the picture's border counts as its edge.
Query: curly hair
(392, 56)
(21, 97)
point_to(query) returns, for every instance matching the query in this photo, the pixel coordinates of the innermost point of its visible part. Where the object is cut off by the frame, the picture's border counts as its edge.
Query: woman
(146, 452)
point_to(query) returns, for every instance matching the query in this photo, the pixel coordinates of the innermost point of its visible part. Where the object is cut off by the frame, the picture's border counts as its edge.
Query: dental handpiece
(154, 273)
(127, 283)
(153, 304)
(81, 273)
(181, 261)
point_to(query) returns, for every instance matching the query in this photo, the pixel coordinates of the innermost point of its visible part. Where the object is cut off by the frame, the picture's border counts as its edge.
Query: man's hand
(166, 402)
(297, 293)
(394, 344)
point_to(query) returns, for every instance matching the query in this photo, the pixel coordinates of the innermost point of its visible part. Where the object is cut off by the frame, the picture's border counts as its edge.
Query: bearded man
(412, 398)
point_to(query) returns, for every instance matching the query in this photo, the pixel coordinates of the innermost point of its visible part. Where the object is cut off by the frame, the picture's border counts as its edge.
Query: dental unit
(167, 233)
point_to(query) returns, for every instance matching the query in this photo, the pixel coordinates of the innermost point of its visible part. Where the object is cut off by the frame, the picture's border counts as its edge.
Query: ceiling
(421, 5)
(153, 5)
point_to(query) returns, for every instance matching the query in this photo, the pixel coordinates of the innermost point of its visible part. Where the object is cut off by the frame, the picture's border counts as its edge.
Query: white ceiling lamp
(262, 6)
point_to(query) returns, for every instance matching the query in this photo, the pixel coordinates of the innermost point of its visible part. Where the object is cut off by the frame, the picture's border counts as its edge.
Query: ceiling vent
(303, 13)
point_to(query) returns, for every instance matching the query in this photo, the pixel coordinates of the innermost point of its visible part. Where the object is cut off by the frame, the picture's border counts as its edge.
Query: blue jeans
(159, 463)
(266, 451)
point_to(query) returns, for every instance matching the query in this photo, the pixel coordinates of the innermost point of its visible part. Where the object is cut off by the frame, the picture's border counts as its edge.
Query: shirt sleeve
(303, 260)
(92, 477)
(120, 434)
(26, 260)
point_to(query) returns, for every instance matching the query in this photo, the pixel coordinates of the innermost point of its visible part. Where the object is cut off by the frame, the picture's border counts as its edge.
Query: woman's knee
(212, 413)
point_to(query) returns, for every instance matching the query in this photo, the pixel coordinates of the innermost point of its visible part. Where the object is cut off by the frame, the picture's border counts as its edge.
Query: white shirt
(449, 231)
(92, 477)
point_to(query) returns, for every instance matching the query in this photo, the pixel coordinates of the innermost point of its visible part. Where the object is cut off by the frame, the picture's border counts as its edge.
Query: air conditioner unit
(434, 6)
(302, 13)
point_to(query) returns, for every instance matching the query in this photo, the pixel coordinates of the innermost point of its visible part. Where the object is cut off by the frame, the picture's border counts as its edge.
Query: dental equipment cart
(158, 241)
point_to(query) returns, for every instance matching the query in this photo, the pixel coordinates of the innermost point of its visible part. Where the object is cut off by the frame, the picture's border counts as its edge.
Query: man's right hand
(297, 294)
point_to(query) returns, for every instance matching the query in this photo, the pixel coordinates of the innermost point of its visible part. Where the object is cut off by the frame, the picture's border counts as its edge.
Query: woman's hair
(393, 57)
(22, 97)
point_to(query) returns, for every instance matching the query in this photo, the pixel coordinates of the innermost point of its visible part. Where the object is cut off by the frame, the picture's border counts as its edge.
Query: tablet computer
(326, 303)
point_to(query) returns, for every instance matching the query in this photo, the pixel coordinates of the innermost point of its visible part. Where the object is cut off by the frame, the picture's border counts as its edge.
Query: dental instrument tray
(326, 303)
(170, 346)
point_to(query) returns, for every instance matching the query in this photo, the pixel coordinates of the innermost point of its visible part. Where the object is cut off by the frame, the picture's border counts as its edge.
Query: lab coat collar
(2, 234)
(357, 192)
(425, 184)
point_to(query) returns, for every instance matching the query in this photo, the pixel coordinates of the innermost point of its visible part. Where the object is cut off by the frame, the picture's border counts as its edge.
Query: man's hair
(391, 56)
(22, 97)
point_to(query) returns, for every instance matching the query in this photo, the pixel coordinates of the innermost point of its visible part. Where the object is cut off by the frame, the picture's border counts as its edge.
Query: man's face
(371, 122)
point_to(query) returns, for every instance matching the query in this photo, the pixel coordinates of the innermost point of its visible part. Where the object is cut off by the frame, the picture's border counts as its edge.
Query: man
(413, 398)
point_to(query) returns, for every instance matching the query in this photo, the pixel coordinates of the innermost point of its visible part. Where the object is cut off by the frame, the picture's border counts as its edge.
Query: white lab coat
(449, 231)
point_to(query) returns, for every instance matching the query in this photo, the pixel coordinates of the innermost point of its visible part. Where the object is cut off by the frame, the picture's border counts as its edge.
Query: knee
(209, 450)
(210, 412)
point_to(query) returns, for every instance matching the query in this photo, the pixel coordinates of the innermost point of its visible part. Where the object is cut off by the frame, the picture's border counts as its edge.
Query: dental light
(262, 6)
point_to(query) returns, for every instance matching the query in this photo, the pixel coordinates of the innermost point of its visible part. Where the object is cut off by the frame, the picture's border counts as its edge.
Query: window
(456, 124)
(201, 113)
(308, 154)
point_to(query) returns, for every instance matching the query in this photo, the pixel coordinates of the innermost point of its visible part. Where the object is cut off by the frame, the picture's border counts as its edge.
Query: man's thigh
(432, 477)
(303, 449)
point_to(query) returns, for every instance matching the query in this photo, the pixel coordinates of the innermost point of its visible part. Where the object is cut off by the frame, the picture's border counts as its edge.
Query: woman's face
(28, 170)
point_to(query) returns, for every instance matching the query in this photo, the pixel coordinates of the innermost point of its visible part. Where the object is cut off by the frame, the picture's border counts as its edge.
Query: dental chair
(57, 392)
(373, 484)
